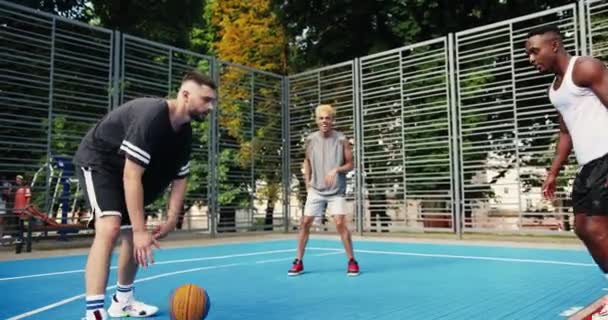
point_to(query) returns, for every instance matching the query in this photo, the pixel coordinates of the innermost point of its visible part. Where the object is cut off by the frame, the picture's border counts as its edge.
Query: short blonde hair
(325, 108)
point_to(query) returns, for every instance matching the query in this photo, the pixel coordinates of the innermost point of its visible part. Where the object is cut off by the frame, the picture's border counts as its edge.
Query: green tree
(323, 32)
(169, 22)
(73, 9)
(248, 33)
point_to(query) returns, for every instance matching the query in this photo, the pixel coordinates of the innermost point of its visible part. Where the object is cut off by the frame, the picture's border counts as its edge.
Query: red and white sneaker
(297, 268)
(602, 314)
(353, 268)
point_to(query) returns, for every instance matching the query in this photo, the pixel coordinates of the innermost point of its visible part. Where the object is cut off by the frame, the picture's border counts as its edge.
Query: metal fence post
(358, 146)
(456, 203)
(584, 25)
(286, 153)
(116, 66)
(47, 200)
(213, 156)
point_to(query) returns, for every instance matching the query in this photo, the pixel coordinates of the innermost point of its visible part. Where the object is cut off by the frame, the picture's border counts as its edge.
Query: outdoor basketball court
(399, 280)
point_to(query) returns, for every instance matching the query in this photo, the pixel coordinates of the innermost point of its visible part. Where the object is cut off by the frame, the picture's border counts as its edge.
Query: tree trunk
(227, 221)
(378, 213)
(269, 221)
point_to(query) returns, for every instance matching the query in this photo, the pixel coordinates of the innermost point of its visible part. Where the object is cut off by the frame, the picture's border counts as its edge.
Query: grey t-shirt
(325, 154)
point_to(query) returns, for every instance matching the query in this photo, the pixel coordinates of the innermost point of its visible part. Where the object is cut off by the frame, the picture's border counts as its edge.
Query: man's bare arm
(593, 74)
(134, 194)
(563, 149)
(348, 158)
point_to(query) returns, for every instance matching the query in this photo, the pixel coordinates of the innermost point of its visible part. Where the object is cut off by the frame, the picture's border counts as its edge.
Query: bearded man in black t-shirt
(124, 163)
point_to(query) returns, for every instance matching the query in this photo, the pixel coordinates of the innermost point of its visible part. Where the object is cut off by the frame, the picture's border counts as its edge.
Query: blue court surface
(398, 281)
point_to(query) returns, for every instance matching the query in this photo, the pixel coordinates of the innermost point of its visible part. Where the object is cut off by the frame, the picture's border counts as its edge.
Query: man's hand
(164, 228)
(549, 187)
(142, 247)
(330, 178)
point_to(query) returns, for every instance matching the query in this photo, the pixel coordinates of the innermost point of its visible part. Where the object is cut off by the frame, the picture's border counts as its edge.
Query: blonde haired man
(328, 158)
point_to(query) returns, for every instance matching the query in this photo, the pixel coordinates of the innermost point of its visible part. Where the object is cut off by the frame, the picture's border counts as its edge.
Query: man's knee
(341, 225)
(306, 222)
(108, 227)
(591, 228)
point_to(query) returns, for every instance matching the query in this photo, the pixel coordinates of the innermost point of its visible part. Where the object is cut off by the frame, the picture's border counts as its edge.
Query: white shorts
(316, 204)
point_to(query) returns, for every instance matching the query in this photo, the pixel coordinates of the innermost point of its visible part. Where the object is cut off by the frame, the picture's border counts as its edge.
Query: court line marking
(433, 255)
(156, 263)
(330, 253)
(162, 275)
(450, 256)
(291, 258)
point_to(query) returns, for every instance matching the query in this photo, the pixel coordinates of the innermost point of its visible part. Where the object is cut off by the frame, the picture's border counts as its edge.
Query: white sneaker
(131, 308)
(603, 314)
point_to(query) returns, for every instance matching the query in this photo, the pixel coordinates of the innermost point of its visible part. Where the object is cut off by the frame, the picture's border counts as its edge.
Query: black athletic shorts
(104, 192)
(590, 193)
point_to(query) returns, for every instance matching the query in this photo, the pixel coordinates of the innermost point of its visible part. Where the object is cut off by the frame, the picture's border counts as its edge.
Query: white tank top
(585, 116)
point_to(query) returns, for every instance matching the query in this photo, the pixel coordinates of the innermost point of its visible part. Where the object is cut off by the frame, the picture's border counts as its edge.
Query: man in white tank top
(580, 94)
(328, 158)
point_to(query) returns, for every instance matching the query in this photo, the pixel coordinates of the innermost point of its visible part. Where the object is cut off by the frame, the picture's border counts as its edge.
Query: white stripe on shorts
(90, 190)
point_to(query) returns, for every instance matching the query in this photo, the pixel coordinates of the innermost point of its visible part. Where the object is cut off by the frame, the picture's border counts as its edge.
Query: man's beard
(198, 117)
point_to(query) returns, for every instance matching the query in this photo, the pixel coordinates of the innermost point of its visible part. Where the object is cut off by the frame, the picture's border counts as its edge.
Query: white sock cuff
(96, 297)
(124, 287)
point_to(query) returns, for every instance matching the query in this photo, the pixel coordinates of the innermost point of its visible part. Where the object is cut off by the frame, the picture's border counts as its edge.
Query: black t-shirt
(141, 131)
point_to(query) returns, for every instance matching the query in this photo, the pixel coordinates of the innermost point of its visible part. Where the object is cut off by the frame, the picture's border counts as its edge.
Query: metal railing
(452, 134)
(507, 125)
(406, 141)
(455, 134)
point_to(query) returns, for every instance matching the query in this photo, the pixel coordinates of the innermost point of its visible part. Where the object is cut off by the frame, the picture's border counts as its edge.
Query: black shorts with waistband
(590, 191)
(104, 192)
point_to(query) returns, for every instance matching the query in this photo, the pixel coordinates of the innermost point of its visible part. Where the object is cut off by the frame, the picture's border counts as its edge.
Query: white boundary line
(432, 255)
(449, 256)
(156, 263)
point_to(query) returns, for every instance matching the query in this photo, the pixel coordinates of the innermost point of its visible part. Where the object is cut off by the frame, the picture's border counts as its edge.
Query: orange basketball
(189, 302)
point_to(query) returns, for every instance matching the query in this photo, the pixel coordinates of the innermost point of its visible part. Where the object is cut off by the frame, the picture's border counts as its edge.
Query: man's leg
(590, 202)
(298, 266)
(593, 231)
(123, 301)
(107, 230)
(127, 267)
(105, 196)
(342, 228)
(336, 206)
(314, 205)
(303, 235)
